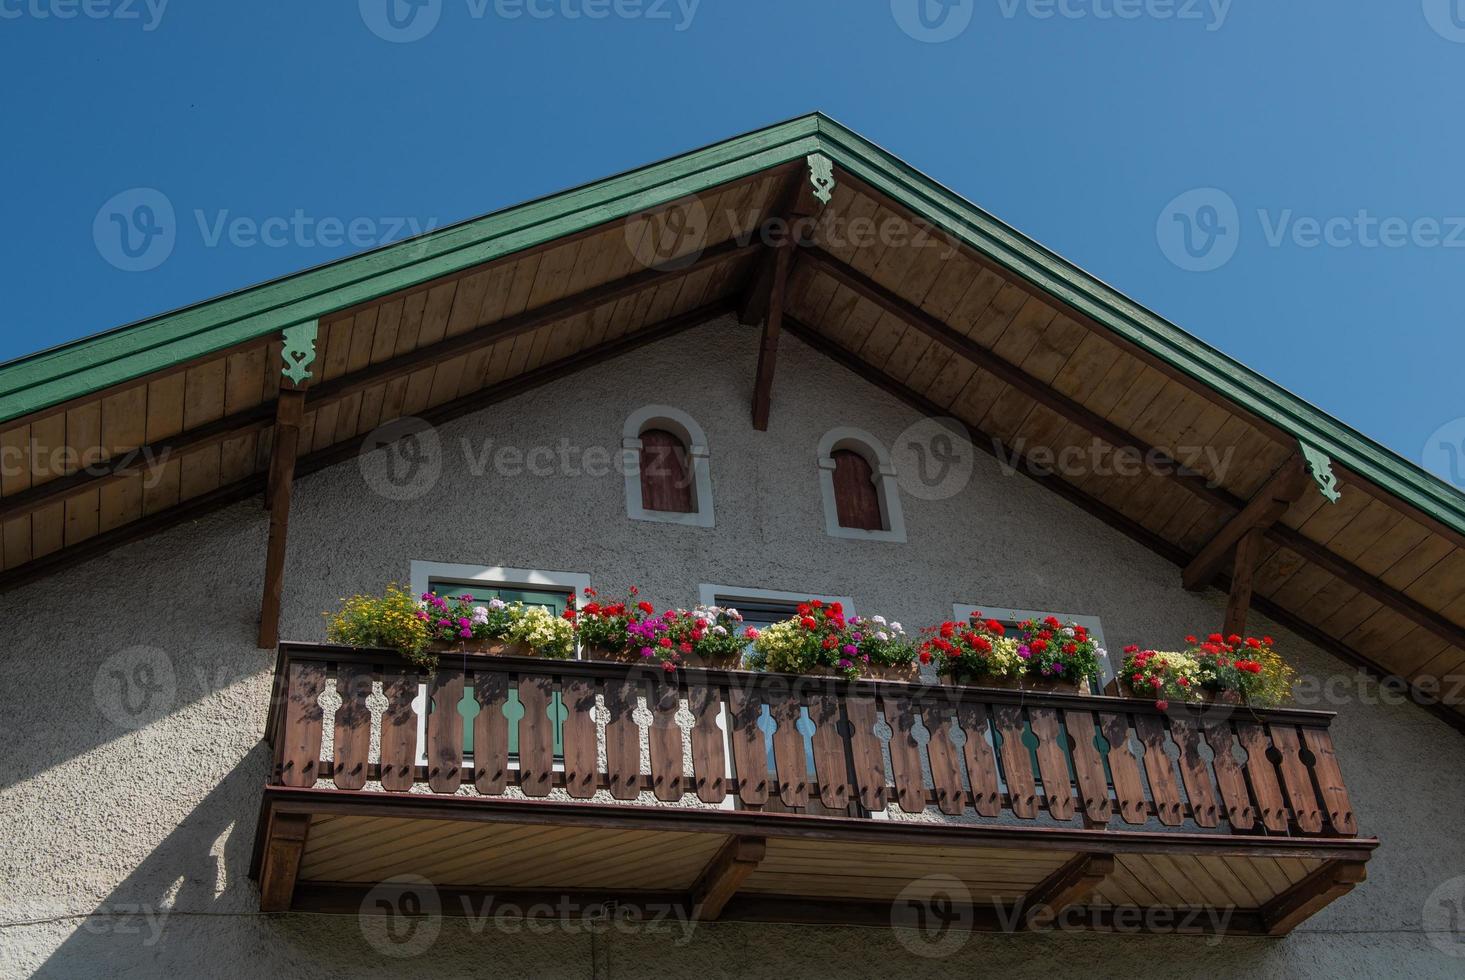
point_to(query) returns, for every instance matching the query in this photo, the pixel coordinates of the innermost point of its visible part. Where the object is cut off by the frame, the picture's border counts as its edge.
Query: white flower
(720, 630)
(879, 619)
(897, 627)
(480, 614)
(1067, 631)
(882, 636)
(496, 604)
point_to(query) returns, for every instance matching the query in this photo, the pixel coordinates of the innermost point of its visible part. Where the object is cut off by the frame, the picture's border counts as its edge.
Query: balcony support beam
(1069, 885)
(283, 848)
(772, 330)
(725, 874)
(1248, 551)
(1265, 508)
(289, 413)
(1324, 886)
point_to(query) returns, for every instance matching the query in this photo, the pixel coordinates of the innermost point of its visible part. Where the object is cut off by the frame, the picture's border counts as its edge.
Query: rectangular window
(548, 590)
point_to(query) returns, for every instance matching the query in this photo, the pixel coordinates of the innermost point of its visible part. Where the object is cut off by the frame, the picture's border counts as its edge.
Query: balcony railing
(1208, 780)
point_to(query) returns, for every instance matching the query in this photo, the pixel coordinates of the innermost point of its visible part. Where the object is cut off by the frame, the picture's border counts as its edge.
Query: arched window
(668, 475)
(856, 498)
(857, 482)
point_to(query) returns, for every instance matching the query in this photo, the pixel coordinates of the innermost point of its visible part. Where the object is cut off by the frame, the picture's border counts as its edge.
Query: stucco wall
(108, 808)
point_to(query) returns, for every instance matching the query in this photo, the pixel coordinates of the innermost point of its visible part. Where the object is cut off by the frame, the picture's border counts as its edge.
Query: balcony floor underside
(325, 850)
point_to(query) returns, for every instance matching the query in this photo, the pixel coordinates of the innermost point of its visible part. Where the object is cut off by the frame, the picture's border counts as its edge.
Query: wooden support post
(1265, 508)
(1324, 886)
(1248, 549)
(281, 865)
(724, 874)
(1069, 885)
(772, 328)
(289, 413)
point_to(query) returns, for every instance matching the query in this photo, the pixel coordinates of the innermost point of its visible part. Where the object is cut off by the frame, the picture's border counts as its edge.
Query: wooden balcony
(764, 797)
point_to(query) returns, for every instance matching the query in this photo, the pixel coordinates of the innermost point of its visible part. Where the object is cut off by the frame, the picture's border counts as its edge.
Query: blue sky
(1120, 133)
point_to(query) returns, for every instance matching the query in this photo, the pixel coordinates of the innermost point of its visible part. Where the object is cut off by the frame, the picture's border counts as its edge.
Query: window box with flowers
(1225, 669)
(1039, 655)
(821, 640)
(631, 631)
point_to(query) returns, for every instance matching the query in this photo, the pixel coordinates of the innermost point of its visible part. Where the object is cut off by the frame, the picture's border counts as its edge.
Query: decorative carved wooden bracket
(1320, 468)
(299, 351)
(821, 176)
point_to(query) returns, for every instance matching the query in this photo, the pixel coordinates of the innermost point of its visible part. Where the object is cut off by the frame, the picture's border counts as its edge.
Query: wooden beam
(1325, 885)
(753, 307)
(1070, 884)
(1265, 508)
(1040, 391)
(284, 845)
(289, 412)
(772, 328)
(724, 874)
(1248, 550)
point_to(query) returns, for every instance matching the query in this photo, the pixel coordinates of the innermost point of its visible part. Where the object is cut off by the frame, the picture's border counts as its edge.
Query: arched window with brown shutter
(666, 473)
(856, 498)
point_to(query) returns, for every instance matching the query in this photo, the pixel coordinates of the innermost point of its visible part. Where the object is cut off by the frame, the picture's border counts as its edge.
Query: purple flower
(466, 633)
(646, 652)
(858, 638)
(1024, 652)
(844, 664)
(850, 650)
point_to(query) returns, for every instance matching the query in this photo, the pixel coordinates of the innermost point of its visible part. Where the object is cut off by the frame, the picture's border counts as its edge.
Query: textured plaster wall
(126, 826)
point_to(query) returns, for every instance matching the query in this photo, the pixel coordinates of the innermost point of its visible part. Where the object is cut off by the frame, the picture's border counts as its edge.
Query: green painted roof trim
(88, 365)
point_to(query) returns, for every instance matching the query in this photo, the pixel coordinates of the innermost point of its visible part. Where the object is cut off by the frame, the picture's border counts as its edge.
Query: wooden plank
(301, 733)
(445, 730)
(1263, 510)
(580, 738)
(1329, 775)
(1295, 779)
(1124, 768)
(945, 759)
(288, 414)
(352, 741)
(1243, 574)
(490, 732)
(981, 764)
(1160, 771)
(831, 766)
(1088, 768)
(709, 760)
(1326, 885)
(1052, 763)
(536, 735)
(664, 739)
(1016, 767)
(622, 740)
(1229, 776)
(399, 730)
(1195, 773)
(1071, 884)
(724, 874)
(772, 330)
(789, 759)
(865, 756)
(1262, 775)
(285, 838)
(905, 754)
(750, 755)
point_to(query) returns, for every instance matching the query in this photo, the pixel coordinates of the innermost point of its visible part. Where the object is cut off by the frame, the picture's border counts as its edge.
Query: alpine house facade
(781, 369)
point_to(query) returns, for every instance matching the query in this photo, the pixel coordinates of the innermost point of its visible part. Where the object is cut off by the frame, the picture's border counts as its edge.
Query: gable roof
(474, 312)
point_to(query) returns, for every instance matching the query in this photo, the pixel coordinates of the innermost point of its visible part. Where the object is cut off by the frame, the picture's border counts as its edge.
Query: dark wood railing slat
(749, 754)
(664, 739)
(981, 764)
(945, 761)
(1262, 775)
(831, 762)
(1017, 767)
(1329, 773)
(865, 755)
(788, 752)
(1296, 779)
(445, 731)
(304, 723)
(905, 754)
(352, 727)
(580, 737)
(536, 735)
(1052, 763)
(490, 732)
(1195, 773)
(1129, 789)
(622, 740)
(1229, 777)
(1093, 788)
(399, 730)
(709, 760)
(1164, 789)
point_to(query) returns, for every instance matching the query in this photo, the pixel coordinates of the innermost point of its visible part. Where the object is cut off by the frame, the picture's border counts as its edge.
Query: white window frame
(684, 427)
(886, 485)
(722, 595)
(423, 572)
(961, 611)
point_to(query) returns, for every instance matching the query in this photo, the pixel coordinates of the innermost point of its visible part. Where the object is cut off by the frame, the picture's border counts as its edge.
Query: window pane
(856, 499)
(666, 477)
